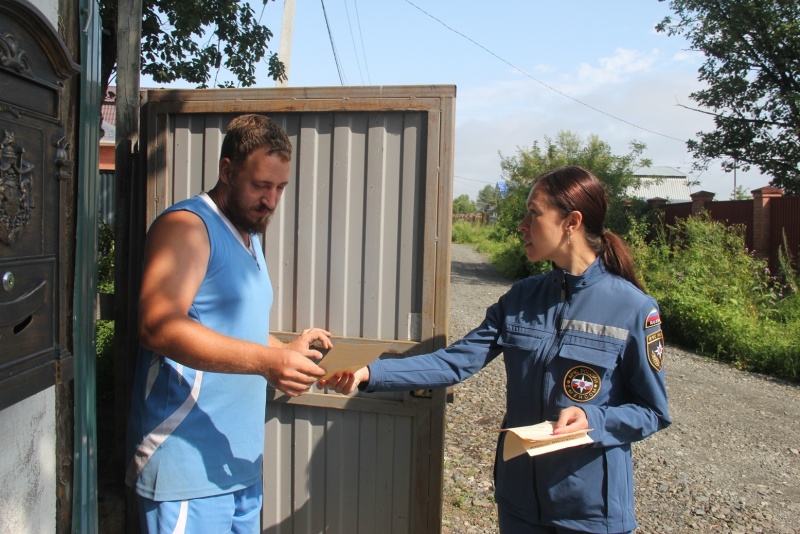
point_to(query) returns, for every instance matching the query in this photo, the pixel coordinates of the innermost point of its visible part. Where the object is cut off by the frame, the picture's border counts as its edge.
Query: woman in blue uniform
(582, 346)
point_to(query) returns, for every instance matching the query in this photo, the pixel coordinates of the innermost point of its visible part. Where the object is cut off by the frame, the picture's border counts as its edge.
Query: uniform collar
(574, 283)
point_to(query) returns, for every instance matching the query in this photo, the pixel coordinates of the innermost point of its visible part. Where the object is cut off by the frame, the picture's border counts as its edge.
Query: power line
(541, 82)
(484, 182)
(333, 46)
(353, 40)
(361, 38)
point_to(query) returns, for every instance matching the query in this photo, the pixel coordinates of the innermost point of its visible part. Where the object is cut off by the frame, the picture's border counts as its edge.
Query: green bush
(511, 261)
(104, 330)
(469, 233)
(717, 297)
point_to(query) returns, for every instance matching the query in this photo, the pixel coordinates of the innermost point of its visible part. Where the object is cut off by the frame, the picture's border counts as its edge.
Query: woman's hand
(345, 383)
(571, 419)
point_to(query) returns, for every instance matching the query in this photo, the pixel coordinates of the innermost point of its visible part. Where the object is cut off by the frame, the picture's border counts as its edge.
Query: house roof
(658, 172)
(661, 182)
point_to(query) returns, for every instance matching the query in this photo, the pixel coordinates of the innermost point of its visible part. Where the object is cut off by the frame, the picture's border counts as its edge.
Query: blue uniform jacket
(592, 341)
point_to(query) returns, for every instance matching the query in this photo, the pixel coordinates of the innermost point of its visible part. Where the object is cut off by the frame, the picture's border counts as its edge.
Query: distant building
(661, 182)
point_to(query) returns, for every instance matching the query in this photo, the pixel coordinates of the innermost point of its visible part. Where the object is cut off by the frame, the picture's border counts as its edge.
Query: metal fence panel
(734, 213)
(784, 221)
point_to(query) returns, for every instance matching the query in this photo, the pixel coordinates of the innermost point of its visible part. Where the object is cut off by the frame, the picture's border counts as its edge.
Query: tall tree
(752, 72)
(616, 173)
(488, 197)
(188, 39)
(463, 204)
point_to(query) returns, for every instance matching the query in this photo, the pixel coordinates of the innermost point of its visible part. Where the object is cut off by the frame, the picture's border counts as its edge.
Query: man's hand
(345, 383)
(307, 338)
(291, 372)
(290, 368)
(571, 419)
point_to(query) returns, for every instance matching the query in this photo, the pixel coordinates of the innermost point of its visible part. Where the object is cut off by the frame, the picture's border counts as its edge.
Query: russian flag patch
(653, 319)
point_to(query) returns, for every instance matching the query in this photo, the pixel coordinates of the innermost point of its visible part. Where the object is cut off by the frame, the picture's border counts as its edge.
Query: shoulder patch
(581, 383)
(653, 319)
(655, 350)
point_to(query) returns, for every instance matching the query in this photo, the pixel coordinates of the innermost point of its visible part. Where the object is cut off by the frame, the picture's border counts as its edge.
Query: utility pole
(285, 50)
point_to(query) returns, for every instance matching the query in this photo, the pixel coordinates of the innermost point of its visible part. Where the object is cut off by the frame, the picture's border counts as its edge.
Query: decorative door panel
(35, 188)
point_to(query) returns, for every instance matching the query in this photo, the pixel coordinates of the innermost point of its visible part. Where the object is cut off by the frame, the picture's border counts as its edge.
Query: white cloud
(504, 116)
(688, 56)
(612, 69)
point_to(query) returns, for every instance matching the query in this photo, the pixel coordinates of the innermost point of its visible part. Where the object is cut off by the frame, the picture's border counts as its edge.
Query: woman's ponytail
(618, 258)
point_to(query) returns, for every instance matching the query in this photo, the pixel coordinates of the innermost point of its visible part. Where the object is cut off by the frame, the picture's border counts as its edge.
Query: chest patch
(581, 383)
(655, 350)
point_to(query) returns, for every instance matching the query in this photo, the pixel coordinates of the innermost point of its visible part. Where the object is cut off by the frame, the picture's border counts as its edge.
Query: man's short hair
(246, 133)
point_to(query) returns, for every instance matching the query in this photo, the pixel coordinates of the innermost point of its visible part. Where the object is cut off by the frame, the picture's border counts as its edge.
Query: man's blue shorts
(238, 512)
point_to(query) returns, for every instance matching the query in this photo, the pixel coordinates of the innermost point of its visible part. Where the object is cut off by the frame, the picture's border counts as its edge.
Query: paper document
(539, 439)
(350, 357)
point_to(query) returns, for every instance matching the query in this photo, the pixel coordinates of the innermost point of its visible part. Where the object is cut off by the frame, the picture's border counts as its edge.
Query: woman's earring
(569, 238)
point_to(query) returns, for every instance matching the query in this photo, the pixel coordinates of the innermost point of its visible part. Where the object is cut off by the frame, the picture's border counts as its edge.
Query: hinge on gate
(422, 393)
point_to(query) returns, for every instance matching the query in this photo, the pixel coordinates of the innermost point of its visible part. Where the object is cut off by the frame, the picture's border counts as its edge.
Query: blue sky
(524, 69)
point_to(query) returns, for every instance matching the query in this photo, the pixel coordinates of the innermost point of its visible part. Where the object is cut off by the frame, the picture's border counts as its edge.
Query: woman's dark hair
(247, 133)
(574, 188)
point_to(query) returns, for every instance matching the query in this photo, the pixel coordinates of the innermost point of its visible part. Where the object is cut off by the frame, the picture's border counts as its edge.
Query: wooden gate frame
(438, 102)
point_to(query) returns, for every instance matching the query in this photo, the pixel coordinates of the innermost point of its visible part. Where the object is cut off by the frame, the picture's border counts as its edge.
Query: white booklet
(539, 439)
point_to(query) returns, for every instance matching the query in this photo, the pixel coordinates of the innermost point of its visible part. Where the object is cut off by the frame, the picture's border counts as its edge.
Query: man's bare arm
(176, 256)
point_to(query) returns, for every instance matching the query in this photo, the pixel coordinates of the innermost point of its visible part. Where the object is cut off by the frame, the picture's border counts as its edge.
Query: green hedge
(717, 297)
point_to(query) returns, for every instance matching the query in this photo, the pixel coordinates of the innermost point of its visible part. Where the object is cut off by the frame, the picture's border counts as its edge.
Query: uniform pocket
(581, 374)
(521, 351)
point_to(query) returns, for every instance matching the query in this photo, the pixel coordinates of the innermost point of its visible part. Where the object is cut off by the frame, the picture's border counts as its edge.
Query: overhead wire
(593, 108)
(483, 183)
(333, 46)
(361, 38)
(352, 40)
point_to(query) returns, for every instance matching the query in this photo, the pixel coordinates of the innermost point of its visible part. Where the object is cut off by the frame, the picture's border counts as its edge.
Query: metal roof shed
(661, 182)
(360, 245)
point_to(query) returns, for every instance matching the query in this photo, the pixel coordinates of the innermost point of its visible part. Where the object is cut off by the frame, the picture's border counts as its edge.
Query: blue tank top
(197, 433)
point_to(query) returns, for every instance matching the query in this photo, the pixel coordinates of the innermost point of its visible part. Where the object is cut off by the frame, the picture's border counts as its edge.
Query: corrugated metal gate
(360, 246)
(783, 223)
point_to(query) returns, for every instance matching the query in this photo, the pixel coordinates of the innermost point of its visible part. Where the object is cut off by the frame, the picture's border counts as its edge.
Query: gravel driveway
(730, 462)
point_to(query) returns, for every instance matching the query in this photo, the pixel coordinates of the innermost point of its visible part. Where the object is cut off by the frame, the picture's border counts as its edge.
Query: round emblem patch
(581, 383)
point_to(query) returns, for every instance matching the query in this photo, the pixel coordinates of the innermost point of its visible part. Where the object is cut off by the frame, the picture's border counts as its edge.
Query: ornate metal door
(35, 196)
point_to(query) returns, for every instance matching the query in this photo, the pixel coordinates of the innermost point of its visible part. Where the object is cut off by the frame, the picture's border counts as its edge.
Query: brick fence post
(699, 200)
(761, 218)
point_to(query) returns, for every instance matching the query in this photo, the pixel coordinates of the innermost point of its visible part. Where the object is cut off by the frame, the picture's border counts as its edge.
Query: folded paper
(539, 439)
(344, 357)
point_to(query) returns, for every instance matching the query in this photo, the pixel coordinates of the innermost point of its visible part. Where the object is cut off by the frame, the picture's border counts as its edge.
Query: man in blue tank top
(196, 428)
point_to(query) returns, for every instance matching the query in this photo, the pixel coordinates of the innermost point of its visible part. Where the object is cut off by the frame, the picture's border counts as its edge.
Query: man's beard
(238, 214)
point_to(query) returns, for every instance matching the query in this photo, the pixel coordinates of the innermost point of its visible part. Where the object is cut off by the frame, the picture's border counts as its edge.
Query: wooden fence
(482, 218)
